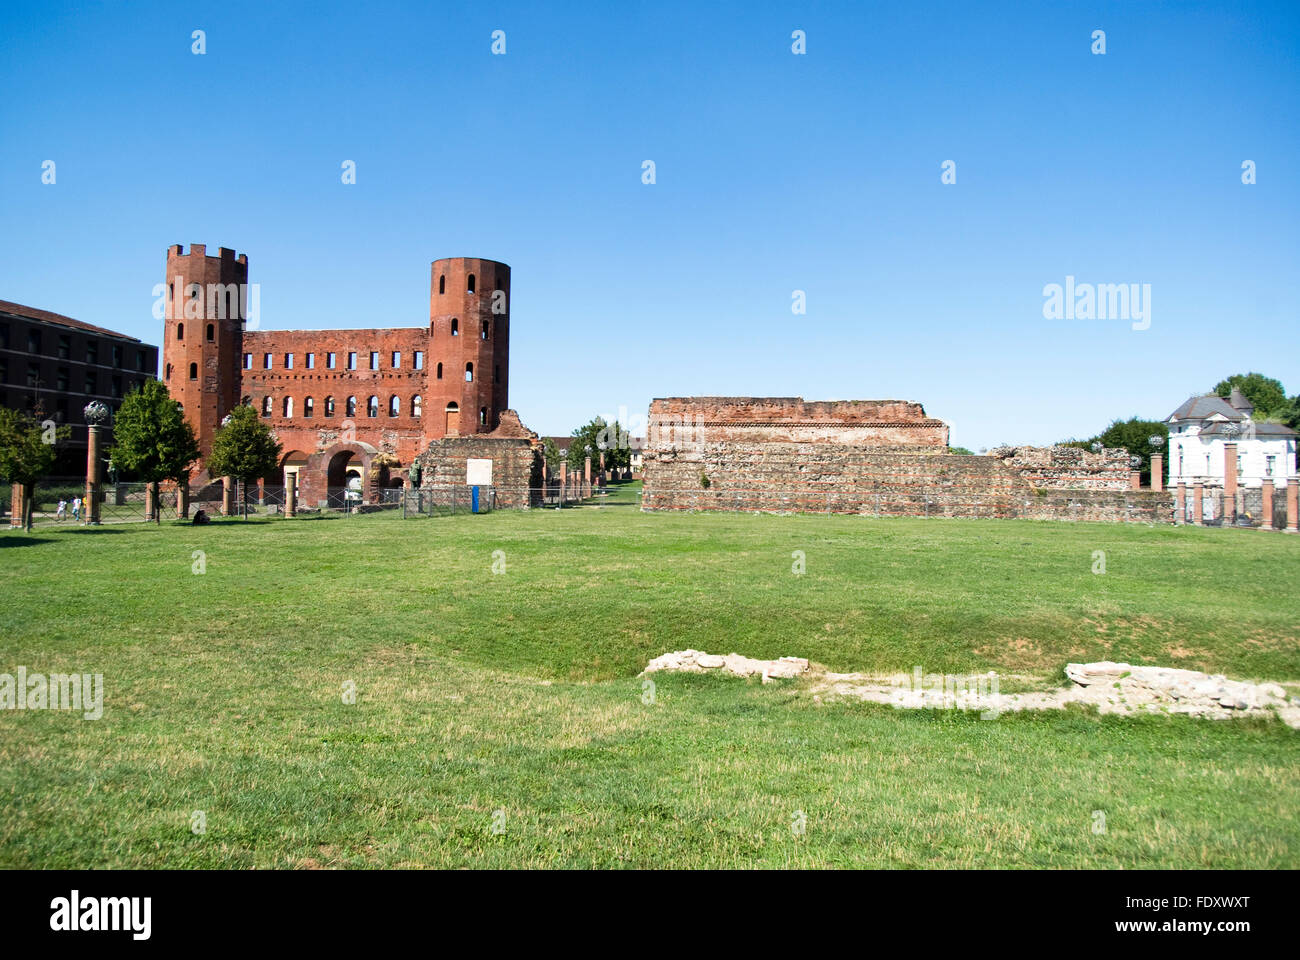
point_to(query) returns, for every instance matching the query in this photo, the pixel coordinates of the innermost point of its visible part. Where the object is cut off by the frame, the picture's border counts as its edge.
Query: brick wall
(302, 435)
(868, 457)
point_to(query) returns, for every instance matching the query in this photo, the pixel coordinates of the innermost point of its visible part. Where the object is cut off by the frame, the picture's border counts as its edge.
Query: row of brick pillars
(1231, 505)
(1157, 474)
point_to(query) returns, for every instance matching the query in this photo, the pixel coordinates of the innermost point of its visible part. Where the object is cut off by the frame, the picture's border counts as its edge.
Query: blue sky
(775, 173)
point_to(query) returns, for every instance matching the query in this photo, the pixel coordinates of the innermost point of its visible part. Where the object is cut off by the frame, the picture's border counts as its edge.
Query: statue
(414, 473)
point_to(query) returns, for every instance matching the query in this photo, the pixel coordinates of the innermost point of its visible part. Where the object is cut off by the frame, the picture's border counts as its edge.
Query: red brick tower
(469, 345)
(203, 334)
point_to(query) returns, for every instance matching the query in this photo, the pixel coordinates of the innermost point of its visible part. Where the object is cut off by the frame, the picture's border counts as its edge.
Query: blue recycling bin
(474, 499)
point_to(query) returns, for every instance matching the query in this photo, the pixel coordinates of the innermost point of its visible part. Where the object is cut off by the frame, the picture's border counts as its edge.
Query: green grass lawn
(513, 698)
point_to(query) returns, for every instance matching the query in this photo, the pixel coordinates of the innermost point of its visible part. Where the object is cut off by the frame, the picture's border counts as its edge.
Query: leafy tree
(244, 448)
(152, 437)
(26, 453)
(551, 453)
(960, 452)
(596, 436)
(1289, 413)
(1267, 394)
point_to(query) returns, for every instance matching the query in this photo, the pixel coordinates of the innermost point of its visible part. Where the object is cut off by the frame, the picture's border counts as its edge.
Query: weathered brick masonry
(361, 402)
(513, 449)
(872, 457)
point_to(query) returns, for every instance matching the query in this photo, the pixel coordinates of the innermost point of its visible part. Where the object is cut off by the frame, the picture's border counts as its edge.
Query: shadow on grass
(23, 540)
(19, 540)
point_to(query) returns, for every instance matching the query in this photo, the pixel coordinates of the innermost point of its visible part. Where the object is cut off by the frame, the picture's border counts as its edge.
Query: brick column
(1198, 501)
(564, 480)
(228, 496)
(1293, 505)
(17, 503)
(183, 499)
(1267, 491)
(291, 494)
(1157, 471)
(1229, 481)
(586, 477)
(90, 510)
(150, 502)
(1134, 480)
(1180, 510)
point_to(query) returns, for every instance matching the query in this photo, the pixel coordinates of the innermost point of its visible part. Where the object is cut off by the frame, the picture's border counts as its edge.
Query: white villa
(1198, 430)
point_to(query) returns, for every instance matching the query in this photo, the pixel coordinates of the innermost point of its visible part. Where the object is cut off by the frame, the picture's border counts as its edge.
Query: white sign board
(478, 473)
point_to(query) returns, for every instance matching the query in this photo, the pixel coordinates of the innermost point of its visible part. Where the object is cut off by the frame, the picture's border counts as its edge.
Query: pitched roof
(1204, 407)
(45, 316)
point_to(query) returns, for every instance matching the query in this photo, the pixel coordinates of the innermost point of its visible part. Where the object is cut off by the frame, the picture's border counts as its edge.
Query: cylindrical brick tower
(203, 334)
(469, 344)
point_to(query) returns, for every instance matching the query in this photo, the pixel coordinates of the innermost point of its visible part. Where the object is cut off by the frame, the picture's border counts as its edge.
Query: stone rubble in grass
(1113, 688)
(696, 661)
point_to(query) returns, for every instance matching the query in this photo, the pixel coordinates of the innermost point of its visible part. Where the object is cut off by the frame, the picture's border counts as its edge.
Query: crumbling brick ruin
(515, 452)
(884, 457)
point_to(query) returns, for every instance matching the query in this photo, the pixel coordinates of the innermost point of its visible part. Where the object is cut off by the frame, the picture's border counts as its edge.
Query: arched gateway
(332, 470)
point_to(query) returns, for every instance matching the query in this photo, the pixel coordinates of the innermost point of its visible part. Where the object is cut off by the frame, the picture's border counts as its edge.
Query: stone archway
(327, 471)
(453, 419)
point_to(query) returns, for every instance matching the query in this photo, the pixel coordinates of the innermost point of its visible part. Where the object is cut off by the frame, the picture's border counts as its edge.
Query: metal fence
(554, 495)
(446, 501)
(118, 503)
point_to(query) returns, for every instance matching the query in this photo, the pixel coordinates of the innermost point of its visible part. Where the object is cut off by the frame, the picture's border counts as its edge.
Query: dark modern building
(56, 365)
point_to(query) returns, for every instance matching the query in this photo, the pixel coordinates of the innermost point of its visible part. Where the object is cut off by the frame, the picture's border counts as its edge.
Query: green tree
(26, 453)
(595, 436)
(1289, 413)
(244, 448)
(152, 437)
(1267, 394)
(960, 451)
(551, 453)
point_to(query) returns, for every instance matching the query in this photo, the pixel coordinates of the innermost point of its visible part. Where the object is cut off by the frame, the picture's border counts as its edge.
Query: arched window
(266, 406)
(440, 371)
(308, 407)
(169, 372)
(442, 283)
(484, 333)
(351, 407)
(287, 407)
(417, 404)
(431, 327)
(329, 406)
(471, 283)
(469, 372)
(212, 333)
(394, 406)
(372, 406)
(180, 331)
(455, 327)
(482, 416)
(194, 371)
